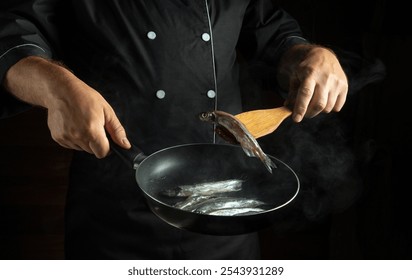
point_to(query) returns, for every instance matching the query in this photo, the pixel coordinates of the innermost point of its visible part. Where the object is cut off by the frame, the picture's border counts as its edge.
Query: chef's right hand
(78, 116)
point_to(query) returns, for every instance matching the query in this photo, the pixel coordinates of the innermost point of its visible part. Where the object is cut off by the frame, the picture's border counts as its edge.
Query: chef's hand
(78, 116)
(315, 80)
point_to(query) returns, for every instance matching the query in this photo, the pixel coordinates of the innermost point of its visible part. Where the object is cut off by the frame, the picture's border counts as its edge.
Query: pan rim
(217, 216)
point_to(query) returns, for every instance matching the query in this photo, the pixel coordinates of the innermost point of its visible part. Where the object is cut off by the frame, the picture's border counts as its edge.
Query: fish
(220, 206)
(235, 211)
(219, 203)
(233, 131)
(191, 202)
(207, 188)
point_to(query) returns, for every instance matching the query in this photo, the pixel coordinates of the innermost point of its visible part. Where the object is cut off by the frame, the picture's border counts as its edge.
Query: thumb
(115, 129)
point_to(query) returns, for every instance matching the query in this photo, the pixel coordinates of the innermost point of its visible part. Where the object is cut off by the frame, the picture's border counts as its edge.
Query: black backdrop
(371, 224)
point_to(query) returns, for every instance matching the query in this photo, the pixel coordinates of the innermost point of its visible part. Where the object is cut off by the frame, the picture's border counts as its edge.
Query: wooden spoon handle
(263, 122)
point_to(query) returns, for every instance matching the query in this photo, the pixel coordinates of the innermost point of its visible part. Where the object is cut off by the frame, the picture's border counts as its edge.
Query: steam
(319, 150)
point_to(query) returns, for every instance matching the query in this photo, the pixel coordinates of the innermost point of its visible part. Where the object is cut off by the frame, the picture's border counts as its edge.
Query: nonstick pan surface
(193, 164)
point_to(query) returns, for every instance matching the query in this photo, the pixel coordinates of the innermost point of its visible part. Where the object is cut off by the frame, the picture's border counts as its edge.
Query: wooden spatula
(265, 121)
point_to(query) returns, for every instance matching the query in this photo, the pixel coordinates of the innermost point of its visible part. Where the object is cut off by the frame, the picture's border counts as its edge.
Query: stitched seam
(213, 62)
(19, 46)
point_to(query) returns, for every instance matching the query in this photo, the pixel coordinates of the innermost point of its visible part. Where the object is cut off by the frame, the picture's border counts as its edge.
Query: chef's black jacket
(158, 63)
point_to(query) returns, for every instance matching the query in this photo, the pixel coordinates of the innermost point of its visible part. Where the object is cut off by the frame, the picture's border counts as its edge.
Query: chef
(141, 71)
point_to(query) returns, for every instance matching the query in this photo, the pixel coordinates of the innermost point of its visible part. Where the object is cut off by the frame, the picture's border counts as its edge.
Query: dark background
(377, 132)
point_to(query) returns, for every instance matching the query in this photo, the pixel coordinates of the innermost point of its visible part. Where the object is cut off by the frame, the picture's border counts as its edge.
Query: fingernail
(297, 117)
(126, 142)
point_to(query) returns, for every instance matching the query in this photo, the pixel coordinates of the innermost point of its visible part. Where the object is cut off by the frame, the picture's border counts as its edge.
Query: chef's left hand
(315, 80)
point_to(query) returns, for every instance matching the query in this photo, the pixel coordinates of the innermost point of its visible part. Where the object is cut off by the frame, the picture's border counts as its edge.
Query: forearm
(78, 116)
(34, 80)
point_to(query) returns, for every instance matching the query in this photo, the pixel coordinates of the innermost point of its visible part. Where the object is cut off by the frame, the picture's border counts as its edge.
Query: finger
(100, 144)
(293, 90)
(340, 101)
(116, 130)
(337, 96)
(65, 143)
(69, 146)
(72, 146)
(80, 146)
(332, 97)
(303, 98)
(318, 102)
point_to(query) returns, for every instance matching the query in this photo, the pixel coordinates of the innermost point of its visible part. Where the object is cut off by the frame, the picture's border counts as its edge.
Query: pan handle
(133, 156)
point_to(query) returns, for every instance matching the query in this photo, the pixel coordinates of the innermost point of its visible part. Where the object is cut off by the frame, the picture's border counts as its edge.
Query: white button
(151, 35)
(205, 37)
(211, 94)
(160, 94)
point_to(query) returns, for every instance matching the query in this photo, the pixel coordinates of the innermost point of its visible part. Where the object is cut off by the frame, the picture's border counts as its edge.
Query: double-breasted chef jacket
(158, 63)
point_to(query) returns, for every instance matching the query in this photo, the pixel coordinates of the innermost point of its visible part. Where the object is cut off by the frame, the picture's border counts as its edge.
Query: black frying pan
(199, 163)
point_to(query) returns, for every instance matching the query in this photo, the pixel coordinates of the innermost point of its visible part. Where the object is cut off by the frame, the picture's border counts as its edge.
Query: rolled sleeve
(10, 106)
(11, 56)
(287, 43)
(26, 30)
(267, 33)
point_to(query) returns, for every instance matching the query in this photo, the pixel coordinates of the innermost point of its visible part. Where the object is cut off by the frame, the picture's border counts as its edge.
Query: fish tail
(269, 164)
(272, 163)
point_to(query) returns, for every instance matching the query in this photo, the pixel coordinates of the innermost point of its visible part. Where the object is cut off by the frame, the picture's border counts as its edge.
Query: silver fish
(202, 189)
(232, 130)
(219, 203)
(192, 202)
(236, 211)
